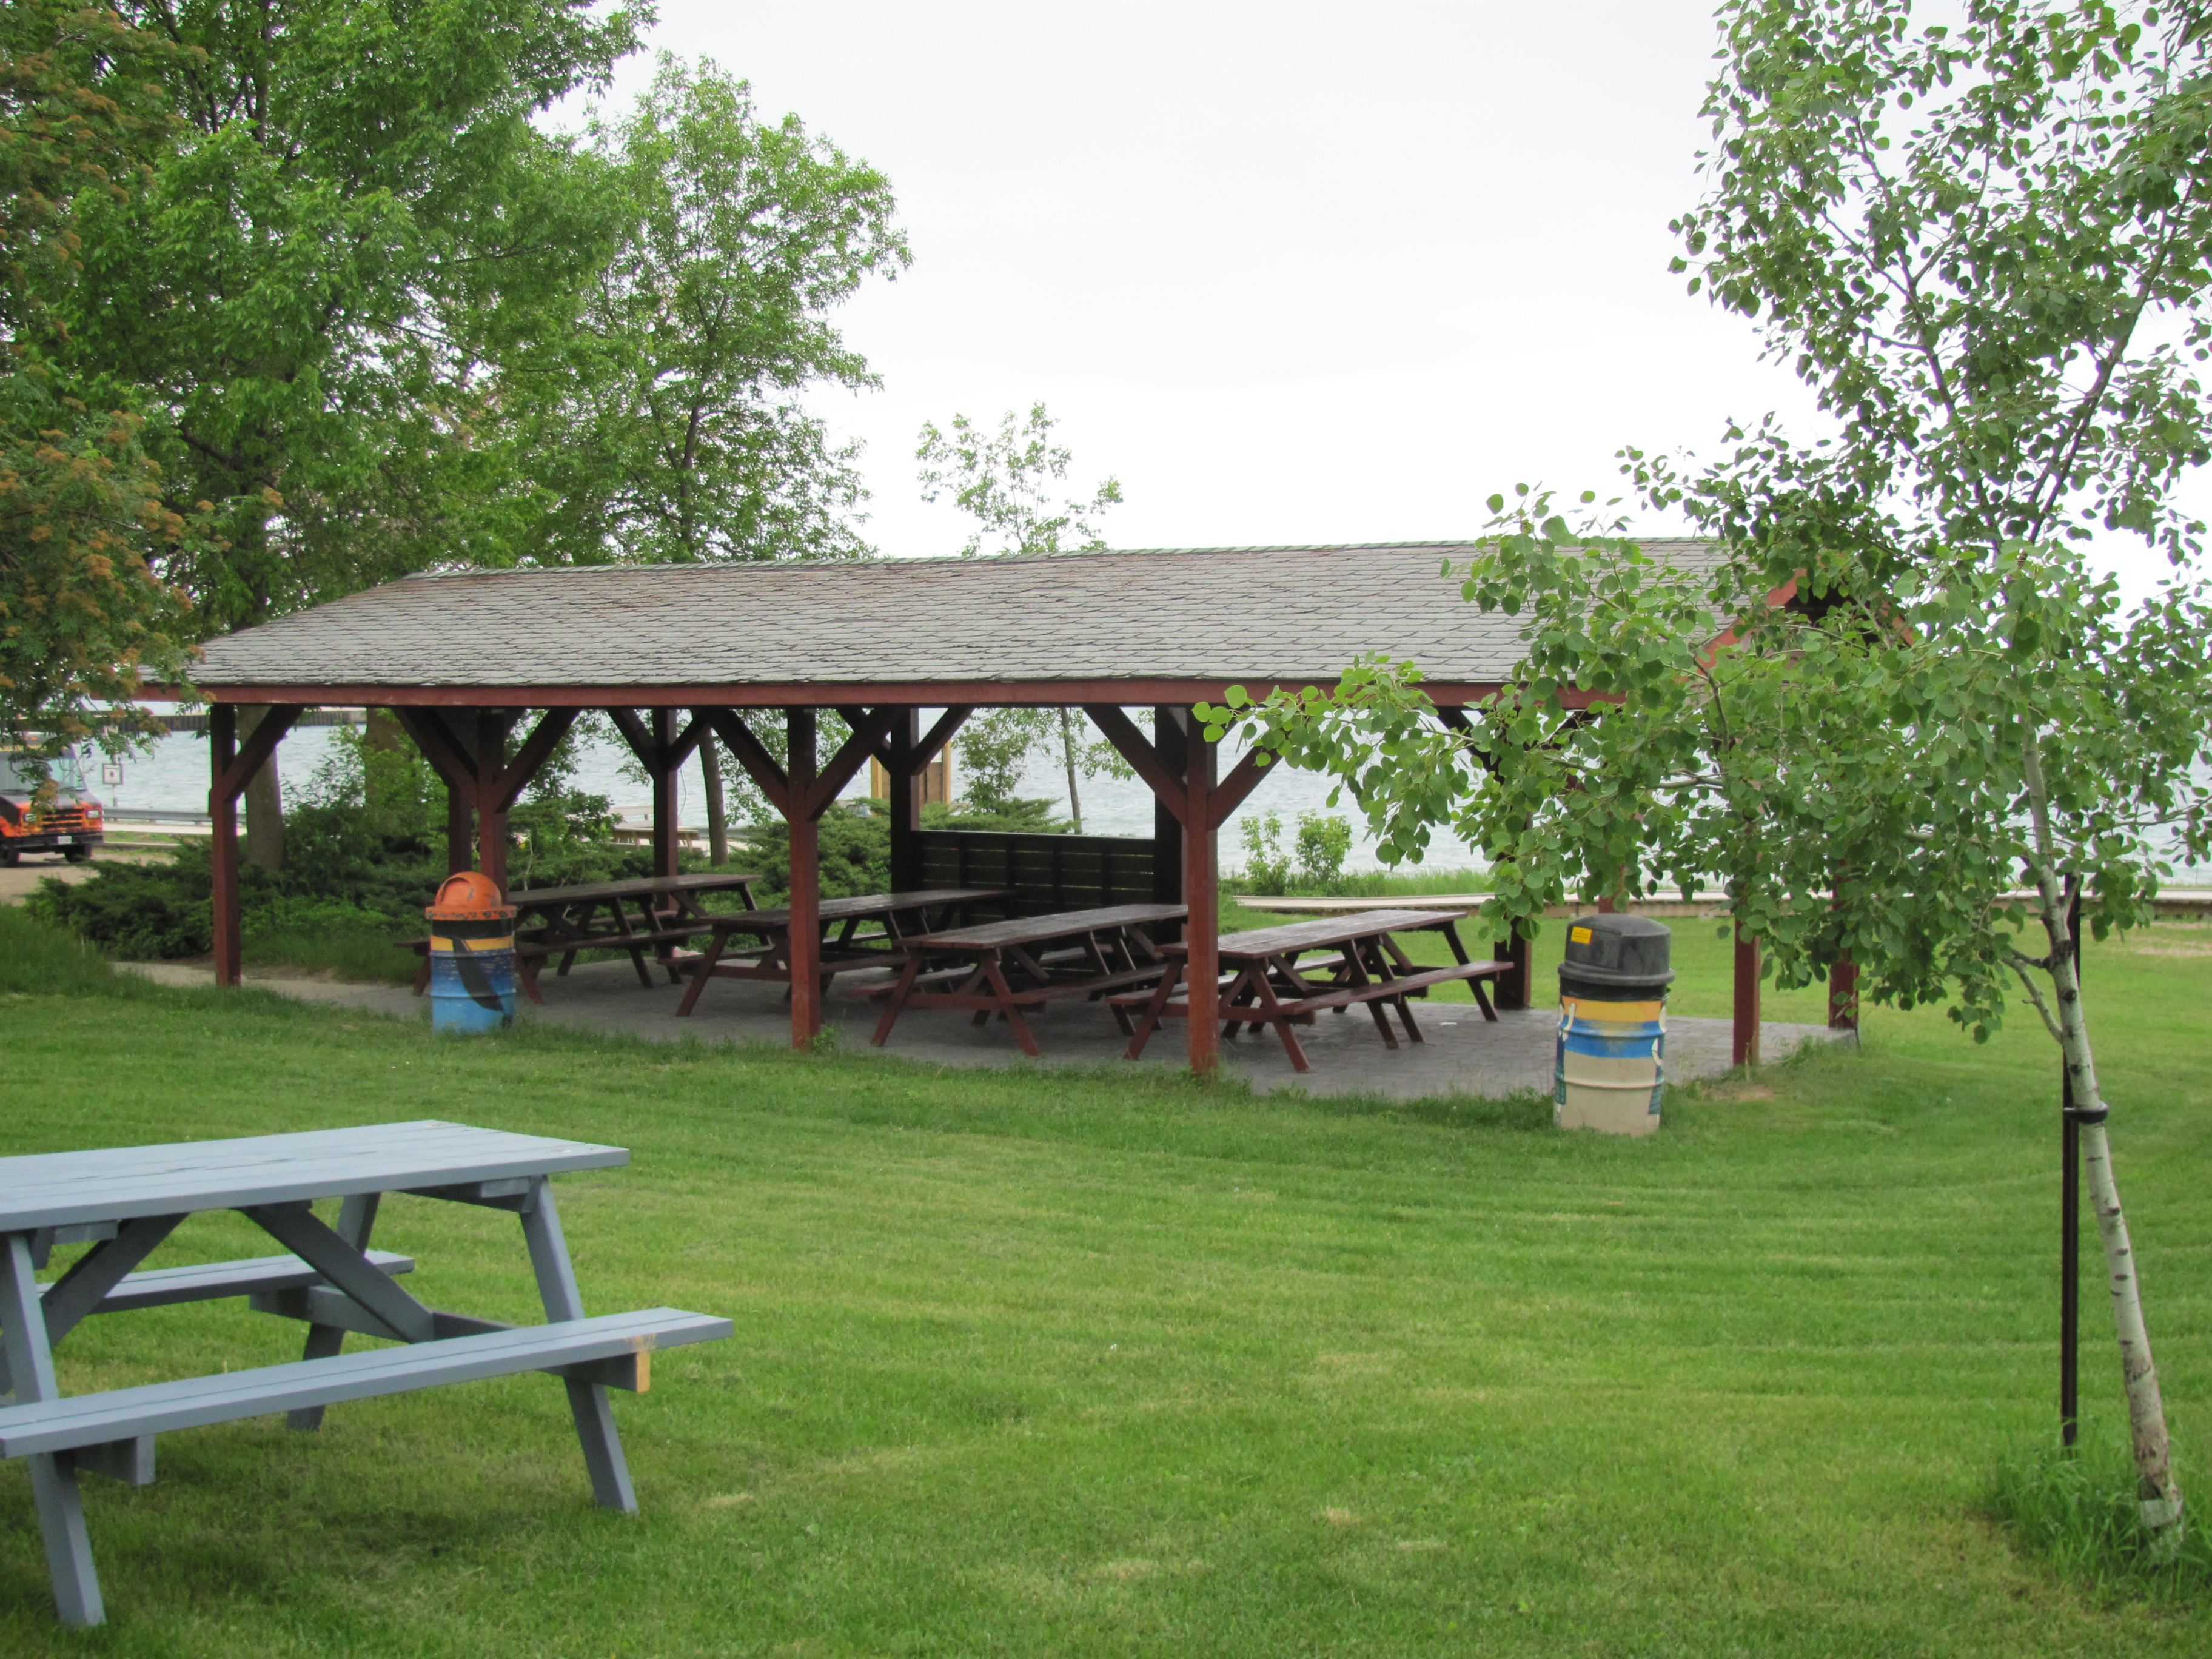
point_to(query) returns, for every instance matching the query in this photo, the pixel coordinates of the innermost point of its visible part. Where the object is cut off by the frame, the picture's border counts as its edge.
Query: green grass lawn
(1049, 1363)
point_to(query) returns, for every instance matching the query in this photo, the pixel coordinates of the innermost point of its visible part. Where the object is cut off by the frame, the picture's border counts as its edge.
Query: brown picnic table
(1010, 968)
(844, 946)
(597, 916)
(1264, 981)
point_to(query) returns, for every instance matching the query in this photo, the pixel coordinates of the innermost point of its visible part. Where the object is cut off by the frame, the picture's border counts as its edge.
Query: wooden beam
(1121, 732)
(803, 933)
(232, 779)
(667, 833)
(906, 800)
(1844, 994)
(1170, 738)
(752, 755)
(492, 727)
(848, 760)
(1202, 932)
(1244, 778)
(639, 740)
(686, 741)
(452, 757)
(940, 733)
(222, 843)
(1149, 690)
(1743, 1035)
(531, 758)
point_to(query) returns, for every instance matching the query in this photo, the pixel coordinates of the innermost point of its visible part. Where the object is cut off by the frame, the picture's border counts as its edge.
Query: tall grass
(2079, 1513)
(39, 960)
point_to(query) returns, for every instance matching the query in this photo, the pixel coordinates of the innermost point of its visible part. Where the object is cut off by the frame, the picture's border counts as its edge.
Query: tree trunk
(265, 803)
(1067, 753)
(718, 817)
(2156, 1488)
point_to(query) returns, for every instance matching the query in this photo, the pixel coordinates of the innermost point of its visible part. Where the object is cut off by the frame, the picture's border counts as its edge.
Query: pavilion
(470, 660)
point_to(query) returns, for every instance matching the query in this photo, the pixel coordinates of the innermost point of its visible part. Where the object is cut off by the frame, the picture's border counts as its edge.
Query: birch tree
(1009, 480)
(1899, 684)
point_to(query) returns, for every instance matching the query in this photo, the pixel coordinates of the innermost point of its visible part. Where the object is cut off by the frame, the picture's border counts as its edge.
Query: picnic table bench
(126, 1201)
(849, 948)
(1263, 981)
(1011, 967)
(595, 916)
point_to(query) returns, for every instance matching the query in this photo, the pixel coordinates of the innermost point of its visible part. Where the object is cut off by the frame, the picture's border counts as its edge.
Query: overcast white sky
(1292, 272)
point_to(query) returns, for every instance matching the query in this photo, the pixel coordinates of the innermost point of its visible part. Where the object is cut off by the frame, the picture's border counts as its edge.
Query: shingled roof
(1152, 624)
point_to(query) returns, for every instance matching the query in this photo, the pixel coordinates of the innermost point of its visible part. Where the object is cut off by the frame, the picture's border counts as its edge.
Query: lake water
(172, 776)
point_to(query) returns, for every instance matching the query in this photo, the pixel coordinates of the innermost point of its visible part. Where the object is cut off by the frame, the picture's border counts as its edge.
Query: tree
(356, 206)
(669, 423)
(1009, 481)
(1898, 685)
(84, 614)
(666, 426)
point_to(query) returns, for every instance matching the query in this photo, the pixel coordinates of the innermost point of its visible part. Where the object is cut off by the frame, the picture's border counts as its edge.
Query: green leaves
(666, 425)
(1008, 481)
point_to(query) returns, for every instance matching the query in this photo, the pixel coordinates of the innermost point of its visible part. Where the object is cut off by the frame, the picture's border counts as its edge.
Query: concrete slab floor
(1461, 1054)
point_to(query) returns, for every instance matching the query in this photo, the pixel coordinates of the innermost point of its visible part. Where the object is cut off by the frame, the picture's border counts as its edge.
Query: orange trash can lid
(468, 897)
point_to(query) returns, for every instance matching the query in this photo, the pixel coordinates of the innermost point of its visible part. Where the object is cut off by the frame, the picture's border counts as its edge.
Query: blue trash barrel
(1609, 1069)
(472, 956)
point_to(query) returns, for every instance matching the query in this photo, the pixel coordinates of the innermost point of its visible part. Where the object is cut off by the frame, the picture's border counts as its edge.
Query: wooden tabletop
(1257, 942)
(1037, 929)
(115, 1183)
(861, 905)
(635, 886)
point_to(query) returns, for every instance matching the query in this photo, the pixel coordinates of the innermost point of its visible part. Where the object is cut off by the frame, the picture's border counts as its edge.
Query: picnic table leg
(701, 973)
(587, 1401)
(356, 1217)
(527, 970)
(897, 998)
(1360, 976)
(636, 951)
(1006, 1007)
(1391, 951)
(53, 1477)
(1271, 1008)
(1482, 1000)
(1151, 1022)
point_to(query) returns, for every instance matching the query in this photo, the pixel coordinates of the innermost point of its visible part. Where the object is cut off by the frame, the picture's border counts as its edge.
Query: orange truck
(67, 822)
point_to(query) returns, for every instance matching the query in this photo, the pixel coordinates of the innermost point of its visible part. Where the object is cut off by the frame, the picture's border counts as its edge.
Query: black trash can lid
(1613, 949)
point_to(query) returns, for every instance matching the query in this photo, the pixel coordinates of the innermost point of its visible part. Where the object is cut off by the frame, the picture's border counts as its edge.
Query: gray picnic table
(126, 1200)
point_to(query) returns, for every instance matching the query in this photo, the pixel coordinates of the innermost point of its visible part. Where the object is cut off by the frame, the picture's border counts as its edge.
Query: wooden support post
(805, 932)
(1743, 1042)
(1168, 728)
(222, 844)
(667, 829)
(905, 799)
(491, 811)
(1844, 994)
(232, 766)
(1514, 990)
(460, 829)
(1201, 892)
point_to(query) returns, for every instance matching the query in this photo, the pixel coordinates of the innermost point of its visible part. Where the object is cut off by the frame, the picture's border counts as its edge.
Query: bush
(365, 849)
(1322, 842)
(39, 959)
(856, 852)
